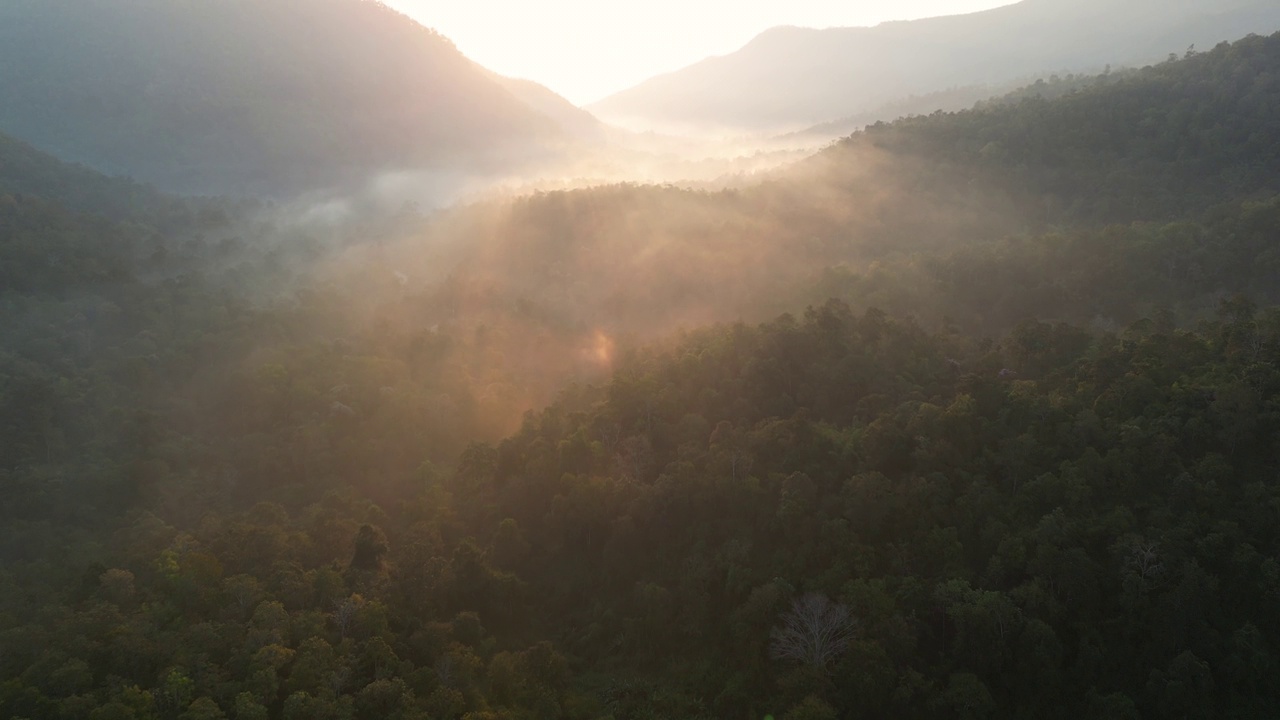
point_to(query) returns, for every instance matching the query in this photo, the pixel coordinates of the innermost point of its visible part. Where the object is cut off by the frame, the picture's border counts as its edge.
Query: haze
(586, 50)
(928, 370)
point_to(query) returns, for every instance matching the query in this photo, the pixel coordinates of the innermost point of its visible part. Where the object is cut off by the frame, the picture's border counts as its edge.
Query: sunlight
(602, 349)
(587, 50)
(925, 370)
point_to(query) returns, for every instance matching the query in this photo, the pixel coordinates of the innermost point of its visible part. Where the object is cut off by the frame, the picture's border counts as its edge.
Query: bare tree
(344, 613)
(1143, 561)
(814, 631)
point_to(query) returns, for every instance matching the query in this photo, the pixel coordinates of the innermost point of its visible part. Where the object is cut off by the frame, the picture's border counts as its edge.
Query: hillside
(28, 172)
(579, 122)
(251, 97)
(792, 78)
(990, 395)
(1107, 151)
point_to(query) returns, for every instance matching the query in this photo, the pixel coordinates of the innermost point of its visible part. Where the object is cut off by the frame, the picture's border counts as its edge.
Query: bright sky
(588, 49)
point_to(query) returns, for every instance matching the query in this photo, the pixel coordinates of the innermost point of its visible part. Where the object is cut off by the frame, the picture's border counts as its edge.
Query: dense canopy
(972, 415)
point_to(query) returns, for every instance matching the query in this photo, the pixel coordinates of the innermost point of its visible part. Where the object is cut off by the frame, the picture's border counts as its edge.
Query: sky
(589, 49)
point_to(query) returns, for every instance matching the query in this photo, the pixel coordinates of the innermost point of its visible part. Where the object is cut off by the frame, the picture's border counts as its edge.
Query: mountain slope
(1147, 145)
(791, 77)
(27, 171)
(544, 100)
(239, 96)
(216, 503)
(1159, 145)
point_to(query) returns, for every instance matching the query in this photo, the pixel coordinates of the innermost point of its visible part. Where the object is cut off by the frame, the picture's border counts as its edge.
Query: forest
(253, 95)
(970, 415)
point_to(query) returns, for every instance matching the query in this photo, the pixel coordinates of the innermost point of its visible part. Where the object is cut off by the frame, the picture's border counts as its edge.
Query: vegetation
(275, 97)
(583, 455)
(788, 78)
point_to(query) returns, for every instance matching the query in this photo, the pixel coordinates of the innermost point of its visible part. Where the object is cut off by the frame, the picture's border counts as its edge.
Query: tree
(383, 700)
(175, 693)
(968, 697)
(811, 708)
(203, 709)
(248, 708)
(371, 548)
(118, 586)
(815, 631)
(508, 548)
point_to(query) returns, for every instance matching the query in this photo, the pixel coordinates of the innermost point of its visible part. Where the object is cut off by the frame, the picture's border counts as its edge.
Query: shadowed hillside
(243, 96)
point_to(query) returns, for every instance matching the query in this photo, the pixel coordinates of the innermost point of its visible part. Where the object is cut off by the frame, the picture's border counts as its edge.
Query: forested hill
(250, 96)
(1151, 144)
(27, 171)
(986, 401)
(880, 218)
(790, 78)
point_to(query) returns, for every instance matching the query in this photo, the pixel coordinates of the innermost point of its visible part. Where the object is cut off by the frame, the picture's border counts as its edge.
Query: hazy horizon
(587, 51)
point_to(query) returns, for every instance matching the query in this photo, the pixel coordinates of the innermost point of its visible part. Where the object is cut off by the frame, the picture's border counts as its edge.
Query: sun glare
(586, 50)
(602, 349)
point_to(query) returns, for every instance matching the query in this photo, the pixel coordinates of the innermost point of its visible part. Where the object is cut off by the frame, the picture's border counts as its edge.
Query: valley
(342, 378)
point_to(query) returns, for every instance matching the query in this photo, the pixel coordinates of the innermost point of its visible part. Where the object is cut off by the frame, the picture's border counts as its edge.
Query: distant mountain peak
(790, 77)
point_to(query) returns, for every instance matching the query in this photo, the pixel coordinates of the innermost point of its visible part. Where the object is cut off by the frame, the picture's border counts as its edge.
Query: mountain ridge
(268, 97)
(788, 78)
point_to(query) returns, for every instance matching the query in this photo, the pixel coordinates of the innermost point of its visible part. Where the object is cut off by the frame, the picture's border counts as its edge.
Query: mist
(444, 399)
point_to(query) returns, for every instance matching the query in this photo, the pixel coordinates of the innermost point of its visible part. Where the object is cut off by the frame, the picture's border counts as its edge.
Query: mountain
(972, 422)
(788, 78)
(577, 121)
(248, 96)
(27, 171)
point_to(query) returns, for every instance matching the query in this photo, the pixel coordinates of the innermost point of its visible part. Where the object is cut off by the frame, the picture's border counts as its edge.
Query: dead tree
(814, 631)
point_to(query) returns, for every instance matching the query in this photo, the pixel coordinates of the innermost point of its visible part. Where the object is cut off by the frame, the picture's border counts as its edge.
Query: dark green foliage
(371, 548)
(1146, 145)
(241, 481)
